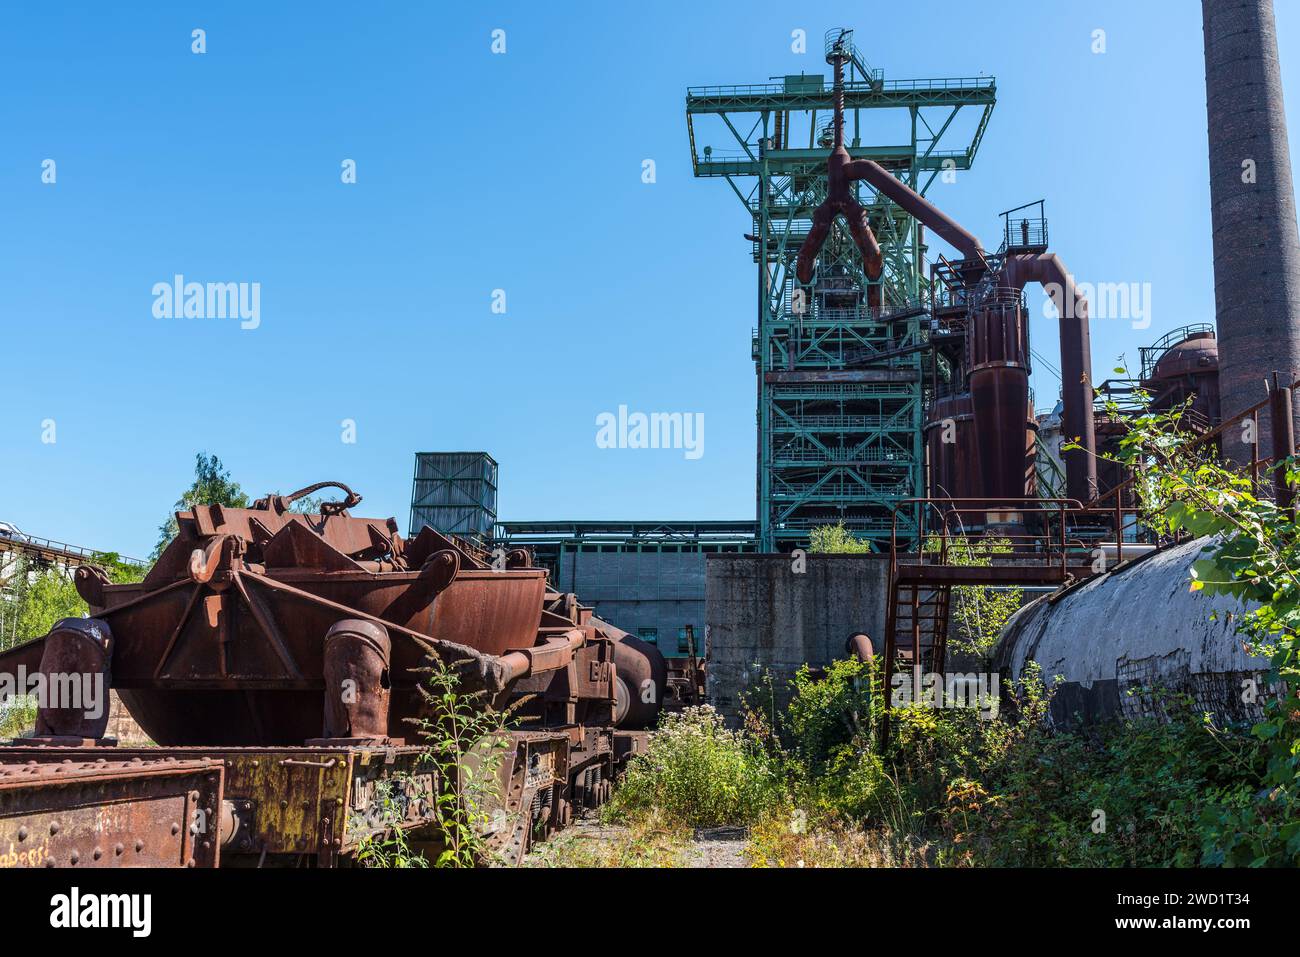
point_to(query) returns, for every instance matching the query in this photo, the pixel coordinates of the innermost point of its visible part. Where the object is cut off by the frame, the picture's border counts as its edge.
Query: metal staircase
(1044, 541)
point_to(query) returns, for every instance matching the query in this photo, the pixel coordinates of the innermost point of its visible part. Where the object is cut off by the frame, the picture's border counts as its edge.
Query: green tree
(36, 595)
(212, 486)
(979, 612)
(837, 540)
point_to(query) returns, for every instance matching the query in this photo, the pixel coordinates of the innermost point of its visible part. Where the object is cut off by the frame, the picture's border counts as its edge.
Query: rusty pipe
(920, 208)
(1049, 271)
(555, 653)
(859, 646)
(840, 201)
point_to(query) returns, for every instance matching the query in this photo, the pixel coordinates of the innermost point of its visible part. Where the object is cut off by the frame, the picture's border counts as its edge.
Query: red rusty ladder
(921, 582)
(916, 631)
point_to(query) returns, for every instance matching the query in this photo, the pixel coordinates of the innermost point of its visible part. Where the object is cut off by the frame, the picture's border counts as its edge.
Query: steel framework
(840, 382)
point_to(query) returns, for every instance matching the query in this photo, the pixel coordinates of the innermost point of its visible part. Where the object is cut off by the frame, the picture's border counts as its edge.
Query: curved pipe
(1049, 271)
(859, 646)
(841, 202)
(554, 654)
(920, 208)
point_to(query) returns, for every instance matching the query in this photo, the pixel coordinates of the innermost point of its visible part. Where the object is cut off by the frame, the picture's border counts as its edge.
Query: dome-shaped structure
(1196, 354)
(1185, 364)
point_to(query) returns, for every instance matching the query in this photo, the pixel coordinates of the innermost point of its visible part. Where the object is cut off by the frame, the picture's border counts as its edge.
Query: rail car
(276, 658)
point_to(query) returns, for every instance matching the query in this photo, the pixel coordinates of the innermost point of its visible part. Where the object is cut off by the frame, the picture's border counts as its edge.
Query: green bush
(955, 788)
(1126, 794)
(827, 713)
(697, 773)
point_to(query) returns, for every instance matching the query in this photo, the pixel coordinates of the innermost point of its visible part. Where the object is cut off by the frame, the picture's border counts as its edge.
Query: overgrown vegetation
(1252, 554)
(959, 788)
(951, 789)
(979, 612)
(17, 716)
(696, 774)
(837, 540)
(391, 847)
(35, 595)
(465, 742)
(647, 842)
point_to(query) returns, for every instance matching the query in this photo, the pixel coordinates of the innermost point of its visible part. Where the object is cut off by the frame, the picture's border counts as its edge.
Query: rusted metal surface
(357, 692)
(998, 360)
(860, 647)
(286, 805)
(76, 809)
(288, 649)
(78, 652)
(533, 798)
(1049, 271)
(840, 201)
(953, 447)
(223, 643)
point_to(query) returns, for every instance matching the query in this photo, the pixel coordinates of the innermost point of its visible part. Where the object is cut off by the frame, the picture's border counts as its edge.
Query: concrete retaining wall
(761, 614)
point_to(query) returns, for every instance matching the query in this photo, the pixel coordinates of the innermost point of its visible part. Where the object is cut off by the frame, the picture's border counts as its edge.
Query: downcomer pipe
(920, 208)
(1047, 270)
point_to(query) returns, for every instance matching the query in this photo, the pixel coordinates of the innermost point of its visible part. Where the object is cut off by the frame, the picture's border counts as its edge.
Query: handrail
(939, 83)
(32, 543)
(1048, 544)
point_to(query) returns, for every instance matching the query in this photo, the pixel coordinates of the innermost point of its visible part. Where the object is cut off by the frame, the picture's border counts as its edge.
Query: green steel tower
(841, 388)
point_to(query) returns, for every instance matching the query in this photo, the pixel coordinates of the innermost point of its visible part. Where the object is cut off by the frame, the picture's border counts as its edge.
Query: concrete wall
(761, 614)
(637, 590)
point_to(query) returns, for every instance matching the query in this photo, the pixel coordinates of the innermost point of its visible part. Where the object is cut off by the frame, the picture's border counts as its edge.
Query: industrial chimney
(1252, 201)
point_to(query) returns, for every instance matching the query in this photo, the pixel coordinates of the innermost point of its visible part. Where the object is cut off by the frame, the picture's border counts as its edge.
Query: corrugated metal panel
(454, 492)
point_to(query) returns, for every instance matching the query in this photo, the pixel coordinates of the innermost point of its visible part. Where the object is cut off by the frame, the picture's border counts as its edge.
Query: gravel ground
(717, 847)
(588, 843)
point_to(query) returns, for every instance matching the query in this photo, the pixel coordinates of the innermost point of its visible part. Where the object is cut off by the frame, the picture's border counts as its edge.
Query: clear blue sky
(475, 172)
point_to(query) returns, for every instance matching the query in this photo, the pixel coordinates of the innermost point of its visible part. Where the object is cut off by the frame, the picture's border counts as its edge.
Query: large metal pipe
(1252, 206)
(997, 359)
(920, 208)
(1134, 627)
(841, 202)
(1047, 270)
(555, 653)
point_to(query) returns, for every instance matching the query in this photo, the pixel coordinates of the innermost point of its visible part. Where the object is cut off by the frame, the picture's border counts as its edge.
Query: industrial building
(646, 577)
(888, 372)
(855, 374)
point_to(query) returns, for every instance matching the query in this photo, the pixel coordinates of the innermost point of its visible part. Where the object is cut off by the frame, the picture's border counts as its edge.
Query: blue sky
(478, 172)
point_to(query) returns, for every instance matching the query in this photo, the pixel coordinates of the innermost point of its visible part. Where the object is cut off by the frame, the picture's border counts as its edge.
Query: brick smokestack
(1252, 203)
